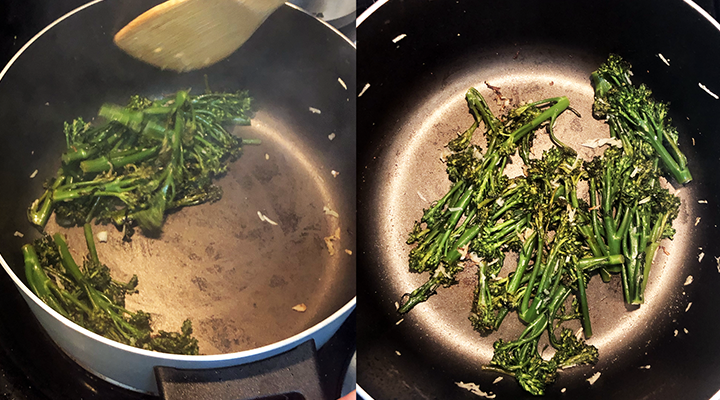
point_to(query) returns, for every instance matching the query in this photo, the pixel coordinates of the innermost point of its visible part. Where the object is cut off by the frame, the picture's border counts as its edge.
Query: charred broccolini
(560, 239)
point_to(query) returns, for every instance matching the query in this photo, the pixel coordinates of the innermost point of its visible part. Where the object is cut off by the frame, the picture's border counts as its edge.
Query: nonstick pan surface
(531, 50)
(219, 264)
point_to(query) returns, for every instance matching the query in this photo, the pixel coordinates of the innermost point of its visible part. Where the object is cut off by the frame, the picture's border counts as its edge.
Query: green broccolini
(144, 159)
(633, 115)
(560, 239)
(140, 161)
(89, 297)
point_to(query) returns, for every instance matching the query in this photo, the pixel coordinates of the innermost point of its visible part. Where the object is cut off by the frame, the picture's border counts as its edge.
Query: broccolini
(561, 240)
(89, 297)
(144, 159)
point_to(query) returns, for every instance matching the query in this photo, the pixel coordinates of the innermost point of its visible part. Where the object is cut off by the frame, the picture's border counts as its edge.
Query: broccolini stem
(677, 167)
(590, 264)
(40, 210)
(90, 241)
(129, 118)
(523, 262)
(430, 215)
(651, 249)
(561, 104)
(67, 259)
(458, 211)
(104, 163)
(78, 154)
(454, 255)
(38, 281)
(587, 326)
(481, 111)
(537, 267)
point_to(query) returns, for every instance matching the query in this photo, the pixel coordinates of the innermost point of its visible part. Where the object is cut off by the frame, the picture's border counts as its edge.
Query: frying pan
(416, 60)
(234, 275)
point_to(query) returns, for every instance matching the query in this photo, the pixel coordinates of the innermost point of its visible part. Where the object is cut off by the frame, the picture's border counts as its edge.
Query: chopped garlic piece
(703, 87)
(398, 353)
(329, 211)
(102, 236)
(267, 156)
(331, 136)
(18, 234)
(300, 307)
(399, 38)
(342, 83)
(264, 218)
(593, 378)
(700, 256)
(688, 280)
(595, 143)
(330, 239)
(688, 306)
(401, 320)
(315, 110)
(498, 379)
(34, 174)
(334, 173)
(366, 87)
(702, 201)
(579, 333)
(475, 389)
(348, 252)
(422, 197)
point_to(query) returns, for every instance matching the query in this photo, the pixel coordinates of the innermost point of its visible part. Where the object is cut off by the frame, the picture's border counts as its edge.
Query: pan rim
(366, 14)
(267, 350)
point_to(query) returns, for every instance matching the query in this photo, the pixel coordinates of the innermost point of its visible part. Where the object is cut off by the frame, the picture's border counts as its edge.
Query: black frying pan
(532, 49)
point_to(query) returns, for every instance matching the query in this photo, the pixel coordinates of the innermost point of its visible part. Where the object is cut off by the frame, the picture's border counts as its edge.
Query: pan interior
(235, 275)
(415, 176)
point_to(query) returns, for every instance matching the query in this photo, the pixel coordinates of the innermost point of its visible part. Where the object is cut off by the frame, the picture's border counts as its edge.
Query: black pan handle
(292, 375)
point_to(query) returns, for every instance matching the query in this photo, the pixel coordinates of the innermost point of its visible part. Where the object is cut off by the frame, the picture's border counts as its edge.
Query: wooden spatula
(184, 35)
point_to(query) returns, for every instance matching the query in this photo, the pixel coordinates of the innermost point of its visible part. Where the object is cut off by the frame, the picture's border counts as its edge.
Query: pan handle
(293, 375)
